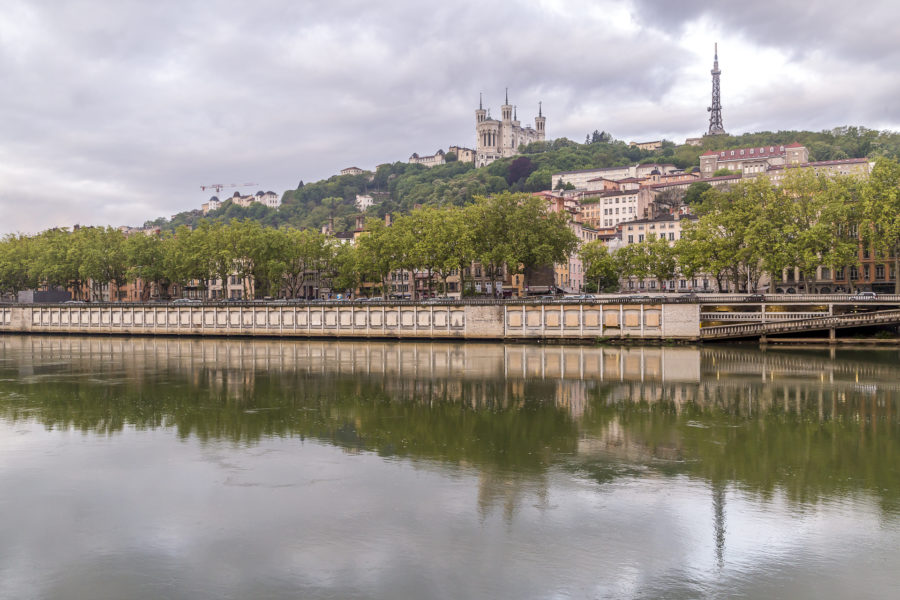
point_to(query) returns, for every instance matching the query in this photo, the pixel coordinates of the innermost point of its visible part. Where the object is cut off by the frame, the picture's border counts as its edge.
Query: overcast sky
(117, 111)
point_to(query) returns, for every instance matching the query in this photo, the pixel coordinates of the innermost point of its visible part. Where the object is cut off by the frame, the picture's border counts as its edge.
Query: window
(879, 271)
(640, 238)
(866, 272)
(682, 284)
(630, 239)
(854, 273)
(839, 274)
(671, 236)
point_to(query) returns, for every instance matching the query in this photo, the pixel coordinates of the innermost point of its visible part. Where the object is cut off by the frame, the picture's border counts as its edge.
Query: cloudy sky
(115, 112)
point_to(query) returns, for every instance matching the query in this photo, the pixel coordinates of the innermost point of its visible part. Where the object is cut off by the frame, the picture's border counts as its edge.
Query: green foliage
(695, 192)
(600, 267)
(723, 172)
(880, 222)
(407, 186)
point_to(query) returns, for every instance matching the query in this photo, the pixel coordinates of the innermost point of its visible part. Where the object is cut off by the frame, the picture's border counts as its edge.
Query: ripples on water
(155, 468)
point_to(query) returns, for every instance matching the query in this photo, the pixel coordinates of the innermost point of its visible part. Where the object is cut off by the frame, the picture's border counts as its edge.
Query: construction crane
(220, 186)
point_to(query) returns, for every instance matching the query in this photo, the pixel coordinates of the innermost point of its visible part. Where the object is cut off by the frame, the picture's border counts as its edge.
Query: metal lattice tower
(715, 111)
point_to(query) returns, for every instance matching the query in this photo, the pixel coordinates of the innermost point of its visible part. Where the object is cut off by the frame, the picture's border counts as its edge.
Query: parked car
(186, 301)
(74, 302)
(865, 296)
(755, 298)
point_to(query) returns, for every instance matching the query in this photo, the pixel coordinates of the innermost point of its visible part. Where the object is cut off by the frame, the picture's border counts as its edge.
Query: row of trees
(756, 228)
(506, 230)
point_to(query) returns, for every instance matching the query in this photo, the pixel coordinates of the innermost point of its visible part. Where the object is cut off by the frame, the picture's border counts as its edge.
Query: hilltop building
(269, 199)
(499, 139)
(440, 157)
(655, 145)
(752, 160)
(370, 199)
(580, 178)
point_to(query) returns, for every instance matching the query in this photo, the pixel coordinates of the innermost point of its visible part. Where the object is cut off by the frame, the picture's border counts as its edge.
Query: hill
(312, 205)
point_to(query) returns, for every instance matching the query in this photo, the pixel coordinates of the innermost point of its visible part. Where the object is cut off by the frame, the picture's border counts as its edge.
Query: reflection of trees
(806, 424)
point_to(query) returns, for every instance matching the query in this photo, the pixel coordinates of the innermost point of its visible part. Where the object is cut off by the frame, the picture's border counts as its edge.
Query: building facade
(752, 161)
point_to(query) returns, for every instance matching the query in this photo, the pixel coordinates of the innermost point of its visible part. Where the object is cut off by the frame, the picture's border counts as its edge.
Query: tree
(631, 261)
(600, 265)
(16, 264)
(100, 255)
(519, 170)
(516, 231)
(695, 192)
(146, 258)
(661, 261)
(880, 224)
(818, 210)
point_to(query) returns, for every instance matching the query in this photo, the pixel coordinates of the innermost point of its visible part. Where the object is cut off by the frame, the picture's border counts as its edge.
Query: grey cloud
(124, 109)
(853, 31)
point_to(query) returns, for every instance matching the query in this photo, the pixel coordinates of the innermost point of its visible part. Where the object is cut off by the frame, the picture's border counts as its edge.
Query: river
(191, 468)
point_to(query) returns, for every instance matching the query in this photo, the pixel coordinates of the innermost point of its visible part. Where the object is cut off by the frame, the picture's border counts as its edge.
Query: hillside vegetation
(312, 205)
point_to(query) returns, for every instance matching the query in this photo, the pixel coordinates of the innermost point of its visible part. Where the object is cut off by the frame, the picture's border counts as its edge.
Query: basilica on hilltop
(498, 139)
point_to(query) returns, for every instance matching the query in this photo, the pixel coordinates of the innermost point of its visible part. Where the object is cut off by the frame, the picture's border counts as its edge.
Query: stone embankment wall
(453, 321)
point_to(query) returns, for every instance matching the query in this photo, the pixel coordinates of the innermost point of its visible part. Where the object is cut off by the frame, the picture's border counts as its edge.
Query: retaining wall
(476, 322)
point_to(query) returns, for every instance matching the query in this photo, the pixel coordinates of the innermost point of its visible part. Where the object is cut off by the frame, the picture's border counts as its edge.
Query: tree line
(755, 227)
(505, 231)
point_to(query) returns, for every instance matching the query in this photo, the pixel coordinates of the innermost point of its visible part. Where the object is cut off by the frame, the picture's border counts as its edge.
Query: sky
(116, 112)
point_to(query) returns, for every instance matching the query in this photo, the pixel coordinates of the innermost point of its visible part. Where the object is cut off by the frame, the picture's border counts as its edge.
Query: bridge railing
(828, 322)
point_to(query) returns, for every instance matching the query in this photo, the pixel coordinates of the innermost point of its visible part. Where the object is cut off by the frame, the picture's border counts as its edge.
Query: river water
(168, 468)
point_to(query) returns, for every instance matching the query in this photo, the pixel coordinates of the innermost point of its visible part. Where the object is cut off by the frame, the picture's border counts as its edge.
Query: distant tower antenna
(715, 111)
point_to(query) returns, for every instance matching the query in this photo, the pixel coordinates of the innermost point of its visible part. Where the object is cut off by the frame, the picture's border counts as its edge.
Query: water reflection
(590, 472)
(810, 423)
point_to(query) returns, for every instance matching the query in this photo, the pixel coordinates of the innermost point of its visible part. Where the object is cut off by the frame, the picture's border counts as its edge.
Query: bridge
(806, 322)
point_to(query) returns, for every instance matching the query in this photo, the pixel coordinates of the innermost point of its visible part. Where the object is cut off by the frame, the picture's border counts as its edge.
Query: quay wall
(561, 321)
